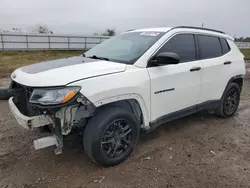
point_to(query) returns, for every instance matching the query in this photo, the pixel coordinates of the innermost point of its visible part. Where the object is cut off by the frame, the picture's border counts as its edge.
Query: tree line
(242, 39)
(44, 29)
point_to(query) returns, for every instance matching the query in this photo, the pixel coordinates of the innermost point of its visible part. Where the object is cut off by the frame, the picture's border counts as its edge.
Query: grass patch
(9, 61)
(246, 53)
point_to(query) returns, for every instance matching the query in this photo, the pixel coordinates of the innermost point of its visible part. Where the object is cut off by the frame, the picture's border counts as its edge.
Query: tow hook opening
(29, 124)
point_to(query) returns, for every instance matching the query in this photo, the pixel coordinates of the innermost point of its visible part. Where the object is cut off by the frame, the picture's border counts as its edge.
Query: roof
(186, 28)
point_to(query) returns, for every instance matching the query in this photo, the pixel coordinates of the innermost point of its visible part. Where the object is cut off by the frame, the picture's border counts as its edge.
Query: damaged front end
(60, 108)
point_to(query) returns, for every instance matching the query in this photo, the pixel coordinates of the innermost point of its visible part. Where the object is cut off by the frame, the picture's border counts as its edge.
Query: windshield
(125, 48)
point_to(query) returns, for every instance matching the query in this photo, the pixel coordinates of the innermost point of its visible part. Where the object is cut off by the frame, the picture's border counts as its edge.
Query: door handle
(195, 69)
(227, 62)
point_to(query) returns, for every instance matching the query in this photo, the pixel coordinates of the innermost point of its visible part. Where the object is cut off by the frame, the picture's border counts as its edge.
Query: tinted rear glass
(225, 46)
(209, 46)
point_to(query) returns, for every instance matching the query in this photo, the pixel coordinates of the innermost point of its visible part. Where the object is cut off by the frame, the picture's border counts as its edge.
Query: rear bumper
(28, 122)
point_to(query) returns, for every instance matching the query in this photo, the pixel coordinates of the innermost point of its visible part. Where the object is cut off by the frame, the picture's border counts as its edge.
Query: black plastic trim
(232, 79)
(197, 49)
(184, 112)
(221, 46)
(200, 28)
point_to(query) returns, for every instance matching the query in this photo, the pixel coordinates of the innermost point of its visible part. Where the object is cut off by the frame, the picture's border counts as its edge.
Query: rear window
(224, 45)
(209, 46)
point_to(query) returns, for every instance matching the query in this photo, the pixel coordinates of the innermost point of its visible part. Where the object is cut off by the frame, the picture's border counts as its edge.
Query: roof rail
(201, 28)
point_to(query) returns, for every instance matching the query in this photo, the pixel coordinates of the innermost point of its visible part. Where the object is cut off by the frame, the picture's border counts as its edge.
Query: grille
(21, 98)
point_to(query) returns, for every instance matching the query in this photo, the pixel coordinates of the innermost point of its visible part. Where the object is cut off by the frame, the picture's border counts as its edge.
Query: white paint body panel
(64, 75)
(104, 82)
(186, 87)
(215, 75)
(28, 122)
(133, 83)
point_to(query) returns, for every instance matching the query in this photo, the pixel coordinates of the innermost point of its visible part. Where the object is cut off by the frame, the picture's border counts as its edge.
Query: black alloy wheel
(231, 101)
(111, 135)
(116, 139)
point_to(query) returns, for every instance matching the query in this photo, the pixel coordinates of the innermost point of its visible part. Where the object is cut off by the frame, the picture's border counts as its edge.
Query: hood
(63, 71)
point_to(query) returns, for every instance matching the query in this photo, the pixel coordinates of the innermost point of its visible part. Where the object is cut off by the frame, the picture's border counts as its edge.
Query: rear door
(216, 66)
(176, 87)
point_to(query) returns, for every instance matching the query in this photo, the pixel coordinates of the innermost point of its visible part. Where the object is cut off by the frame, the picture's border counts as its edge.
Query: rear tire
(229, 102)
(111, 136)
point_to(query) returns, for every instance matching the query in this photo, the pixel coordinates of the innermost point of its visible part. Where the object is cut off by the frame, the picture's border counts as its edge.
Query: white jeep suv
(129, 84)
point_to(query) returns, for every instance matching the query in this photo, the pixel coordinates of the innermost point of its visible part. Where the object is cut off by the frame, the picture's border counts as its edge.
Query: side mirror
(165, 58)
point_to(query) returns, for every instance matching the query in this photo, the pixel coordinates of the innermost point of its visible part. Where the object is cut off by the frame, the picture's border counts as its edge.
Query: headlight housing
(53, 96)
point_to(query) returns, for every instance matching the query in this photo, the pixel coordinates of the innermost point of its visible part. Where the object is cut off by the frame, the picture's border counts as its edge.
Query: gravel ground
(4, 82)
(197, 151)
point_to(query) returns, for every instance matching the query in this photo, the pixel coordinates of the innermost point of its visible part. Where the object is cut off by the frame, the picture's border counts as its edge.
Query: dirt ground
(197, 151)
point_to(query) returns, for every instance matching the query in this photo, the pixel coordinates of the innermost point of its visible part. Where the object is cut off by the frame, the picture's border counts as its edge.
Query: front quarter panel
(131, 84)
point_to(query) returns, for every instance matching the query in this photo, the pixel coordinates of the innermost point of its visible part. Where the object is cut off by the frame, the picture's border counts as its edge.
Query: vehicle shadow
(178, 125)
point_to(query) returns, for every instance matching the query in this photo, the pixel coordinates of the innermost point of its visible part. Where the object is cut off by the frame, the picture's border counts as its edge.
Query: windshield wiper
(97, 57)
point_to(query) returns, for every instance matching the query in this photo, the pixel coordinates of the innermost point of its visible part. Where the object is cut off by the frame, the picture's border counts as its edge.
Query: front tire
(229, 101)
(110, 136)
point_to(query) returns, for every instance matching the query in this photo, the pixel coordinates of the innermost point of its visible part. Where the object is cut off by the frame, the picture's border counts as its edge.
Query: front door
(176, 87)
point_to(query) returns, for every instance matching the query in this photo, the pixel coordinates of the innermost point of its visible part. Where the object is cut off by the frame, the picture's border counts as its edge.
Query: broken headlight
(53, 96)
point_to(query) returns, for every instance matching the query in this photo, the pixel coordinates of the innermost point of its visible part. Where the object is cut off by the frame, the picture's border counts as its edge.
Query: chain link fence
(243, 45)
(29, 42)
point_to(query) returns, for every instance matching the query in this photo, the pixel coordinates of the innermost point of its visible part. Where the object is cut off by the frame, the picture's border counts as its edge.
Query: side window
(225, 46)
(183, 45)
(209, 46)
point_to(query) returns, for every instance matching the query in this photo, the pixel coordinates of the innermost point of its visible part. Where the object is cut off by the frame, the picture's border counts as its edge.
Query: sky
(90, 16)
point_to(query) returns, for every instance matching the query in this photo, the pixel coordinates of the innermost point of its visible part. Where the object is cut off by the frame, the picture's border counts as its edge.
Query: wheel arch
(131, 102)
(239, 82)
(238, 79)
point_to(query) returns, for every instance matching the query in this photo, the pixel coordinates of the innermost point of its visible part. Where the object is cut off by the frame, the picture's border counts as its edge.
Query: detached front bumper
(28, 122)
(34, 122)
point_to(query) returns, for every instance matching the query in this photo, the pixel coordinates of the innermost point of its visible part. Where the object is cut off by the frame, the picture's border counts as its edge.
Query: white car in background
(128, 84)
